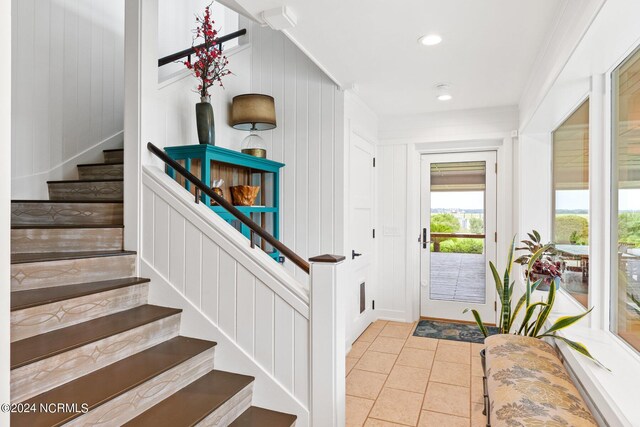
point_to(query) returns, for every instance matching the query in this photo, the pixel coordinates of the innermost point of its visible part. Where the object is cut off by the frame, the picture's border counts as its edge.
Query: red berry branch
(210, 65)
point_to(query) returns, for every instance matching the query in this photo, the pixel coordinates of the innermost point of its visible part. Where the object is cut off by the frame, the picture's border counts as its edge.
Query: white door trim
(507, 212)
(449, 309)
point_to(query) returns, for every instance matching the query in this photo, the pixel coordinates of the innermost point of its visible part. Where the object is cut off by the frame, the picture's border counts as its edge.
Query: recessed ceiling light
(444, 92)
(430, 40)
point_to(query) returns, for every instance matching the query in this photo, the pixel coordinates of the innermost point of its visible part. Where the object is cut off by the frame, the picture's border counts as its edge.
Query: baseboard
(34, 186)
(392, 315)
(267, 392)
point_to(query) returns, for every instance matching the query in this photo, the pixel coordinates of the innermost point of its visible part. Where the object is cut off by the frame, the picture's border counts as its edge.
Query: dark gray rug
(451, 331)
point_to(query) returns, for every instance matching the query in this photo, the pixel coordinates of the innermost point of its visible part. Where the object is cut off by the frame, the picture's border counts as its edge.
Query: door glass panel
(625, 289)
(458, 261)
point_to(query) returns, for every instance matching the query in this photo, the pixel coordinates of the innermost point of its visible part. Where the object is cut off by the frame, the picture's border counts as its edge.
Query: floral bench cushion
(528, 385)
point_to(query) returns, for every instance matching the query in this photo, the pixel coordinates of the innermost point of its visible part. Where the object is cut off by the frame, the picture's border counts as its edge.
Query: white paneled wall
(392, 216)
(68, 68)
(308, 139)
(255, 304)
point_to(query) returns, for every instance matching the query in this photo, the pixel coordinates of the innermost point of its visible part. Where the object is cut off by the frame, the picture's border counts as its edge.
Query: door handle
(354, 254)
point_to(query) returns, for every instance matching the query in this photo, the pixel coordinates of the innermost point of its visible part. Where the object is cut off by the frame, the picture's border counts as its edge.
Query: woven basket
(244, 195)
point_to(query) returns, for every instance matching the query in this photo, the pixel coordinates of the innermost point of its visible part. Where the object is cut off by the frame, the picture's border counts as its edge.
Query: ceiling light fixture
(443, 92)
(430, 40)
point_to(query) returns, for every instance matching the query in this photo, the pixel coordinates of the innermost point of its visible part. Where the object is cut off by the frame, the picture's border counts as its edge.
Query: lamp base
(255, 152)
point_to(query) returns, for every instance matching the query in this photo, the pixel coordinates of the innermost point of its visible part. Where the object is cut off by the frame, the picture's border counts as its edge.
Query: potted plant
(209, 67)
(548, 268)
(535, 313)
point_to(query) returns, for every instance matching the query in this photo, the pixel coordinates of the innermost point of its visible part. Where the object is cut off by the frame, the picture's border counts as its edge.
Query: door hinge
(373, 304)
(374, 162)
(495, 237)
(495, 306)
(374, 233)
(496, 168)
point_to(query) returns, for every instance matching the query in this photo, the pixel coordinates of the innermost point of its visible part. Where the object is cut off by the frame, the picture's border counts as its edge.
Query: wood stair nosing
(195, 402)
(90, 165)
(43, 346)
(78, 227)
(21, 300)
(28, 258)
(112, 381)
(260, 417)
(82, 181)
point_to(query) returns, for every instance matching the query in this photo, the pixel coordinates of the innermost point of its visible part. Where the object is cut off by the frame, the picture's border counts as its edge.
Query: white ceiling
(487, 53)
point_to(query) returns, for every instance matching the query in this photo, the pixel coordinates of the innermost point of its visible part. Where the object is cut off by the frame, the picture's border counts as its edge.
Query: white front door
(458, 235)
(361, 251)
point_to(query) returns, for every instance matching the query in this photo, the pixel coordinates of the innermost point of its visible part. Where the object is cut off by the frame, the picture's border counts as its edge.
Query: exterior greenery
(448, 223)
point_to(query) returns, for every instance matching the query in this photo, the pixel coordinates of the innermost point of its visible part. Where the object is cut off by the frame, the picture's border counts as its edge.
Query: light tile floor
(395, 379)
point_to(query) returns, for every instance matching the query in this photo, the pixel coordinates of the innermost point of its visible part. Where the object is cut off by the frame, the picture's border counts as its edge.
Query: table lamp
(253, 112)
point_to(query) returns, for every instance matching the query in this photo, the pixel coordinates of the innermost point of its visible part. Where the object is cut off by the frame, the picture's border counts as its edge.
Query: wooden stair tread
(111, 381)
(111, 150)
(35, 297)
(75, 181)
(24, 258)
(46, 345)
(194, 402)
(87, 165)
(260, 417)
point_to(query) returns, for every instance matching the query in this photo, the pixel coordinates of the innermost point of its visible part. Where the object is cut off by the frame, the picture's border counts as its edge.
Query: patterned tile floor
(395, 379)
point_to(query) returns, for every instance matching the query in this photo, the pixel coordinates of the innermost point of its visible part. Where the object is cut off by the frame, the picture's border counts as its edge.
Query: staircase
(86, 347)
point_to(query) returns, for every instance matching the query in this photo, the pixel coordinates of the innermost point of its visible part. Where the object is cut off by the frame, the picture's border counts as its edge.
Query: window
(625, 268)
(571, 202)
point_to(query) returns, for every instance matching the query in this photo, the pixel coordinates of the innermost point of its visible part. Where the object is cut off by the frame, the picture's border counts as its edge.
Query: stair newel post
(327, 340)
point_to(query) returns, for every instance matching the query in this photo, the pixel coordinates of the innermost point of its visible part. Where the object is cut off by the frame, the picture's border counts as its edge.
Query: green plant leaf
(565, 322)
(496, 277)
(528, 314)
(478, 320)
(515, 312)
(577, 346)
(537, 235)
(544, 314)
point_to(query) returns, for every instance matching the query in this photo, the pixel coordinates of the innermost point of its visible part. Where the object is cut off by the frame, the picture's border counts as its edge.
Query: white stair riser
(98, 190)
(35, 378)
(105, 171)
(45, 274)
(49, 317)
(230, 410)
(41, 240)
(134, 402)
(113, 156)
(47, 213)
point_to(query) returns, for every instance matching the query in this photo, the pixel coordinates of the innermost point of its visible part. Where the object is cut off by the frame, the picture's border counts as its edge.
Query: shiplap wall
(207, 262)
(68, 68)
(308, 139)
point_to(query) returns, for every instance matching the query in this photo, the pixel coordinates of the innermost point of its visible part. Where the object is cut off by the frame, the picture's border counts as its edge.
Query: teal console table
(209, 163)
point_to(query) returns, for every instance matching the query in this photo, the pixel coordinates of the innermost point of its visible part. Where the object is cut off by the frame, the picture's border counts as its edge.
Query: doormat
(451, 331)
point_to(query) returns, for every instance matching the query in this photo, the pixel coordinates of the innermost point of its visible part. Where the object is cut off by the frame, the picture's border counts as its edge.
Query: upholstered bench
(527, 385)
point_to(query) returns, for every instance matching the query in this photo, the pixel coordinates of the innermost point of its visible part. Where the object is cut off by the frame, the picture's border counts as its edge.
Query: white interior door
(458, 235)
(361, 252)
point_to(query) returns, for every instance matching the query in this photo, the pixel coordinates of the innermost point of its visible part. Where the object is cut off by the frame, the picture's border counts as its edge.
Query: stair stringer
(282, 380)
